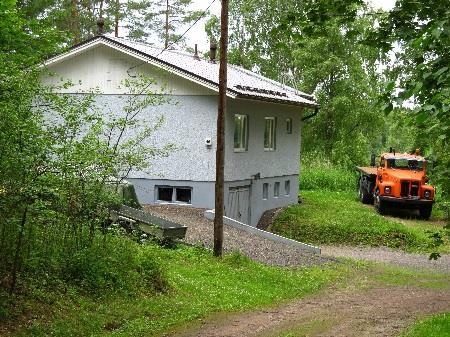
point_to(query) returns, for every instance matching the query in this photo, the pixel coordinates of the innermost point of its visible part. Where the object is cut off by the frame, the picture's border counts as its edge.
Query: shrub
(114, 264)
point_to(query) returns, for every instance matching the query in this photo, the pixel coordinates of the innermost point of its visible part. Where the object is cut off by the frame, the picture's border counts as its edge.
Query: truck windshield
(405, 164)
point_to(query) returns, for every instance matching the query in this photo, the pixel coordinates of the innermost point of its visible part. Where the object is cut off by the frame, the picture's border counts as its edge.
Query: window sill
(178, 203)
(239, 151)
(269, 150)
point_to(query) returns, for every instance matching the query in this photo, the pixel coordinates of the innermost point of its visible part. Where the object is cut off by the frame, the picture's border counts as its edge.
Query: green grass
(326, 177)
(198, 285)
(327, 217)
(435, 326)
(388, 275)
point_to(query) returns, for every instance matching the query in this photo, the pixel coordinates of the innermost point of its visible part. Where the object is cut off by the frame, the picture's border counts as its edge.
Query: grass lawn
(327, 217)
(198, 285)
(435, 326)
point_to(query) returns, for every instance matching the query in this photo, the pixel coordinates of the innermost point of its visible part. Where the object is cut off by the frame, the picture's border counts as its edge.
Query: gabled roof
(241, 83)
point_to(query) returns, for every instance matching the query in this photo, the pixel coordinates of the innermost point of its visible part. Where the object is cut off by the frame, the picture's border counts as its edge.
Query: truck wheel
(363, 194)
(380, 205)
(425, 212)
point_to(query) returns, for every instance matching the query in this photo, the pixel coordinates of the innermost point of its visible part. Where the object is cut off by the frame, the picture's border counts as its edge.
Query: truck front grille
(414, 188)
(409, 188)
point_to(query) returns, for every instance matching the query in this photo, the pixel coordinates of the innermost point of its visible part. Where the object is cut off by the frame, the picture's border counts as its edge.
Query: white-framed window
(240, 133)
(287, 187)
(288, 125)
(276, 189)
(265, 191)
(270, 133)
(174, 194)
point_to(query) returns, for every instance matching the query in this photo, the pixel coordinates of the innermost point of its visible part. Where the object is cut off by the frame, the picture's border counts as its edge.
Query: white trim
(210, 214)
(146, 59)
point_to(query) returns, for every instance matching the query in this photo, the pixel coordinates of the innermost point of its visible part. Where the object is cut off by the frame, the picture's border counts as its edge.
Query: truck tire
(363, 193)
(380, 205)
(425, 212)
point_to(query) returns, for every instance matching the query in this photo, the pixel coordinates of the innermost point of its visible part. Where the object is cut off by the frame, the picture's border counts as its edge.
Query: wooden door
(238, 204)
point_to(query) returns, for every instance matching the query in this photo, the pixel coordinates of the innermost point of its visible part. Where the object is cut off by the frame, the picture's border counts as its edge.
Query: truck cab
(399, 181)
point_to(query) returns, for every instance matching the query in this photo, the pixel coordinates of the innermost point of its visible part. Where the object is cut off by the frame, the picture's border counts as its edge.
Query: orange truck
(398, 181)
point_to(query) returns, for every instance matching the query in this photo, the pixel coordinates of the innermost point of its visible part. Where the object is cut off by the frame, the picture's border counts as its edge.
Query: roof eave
(279, 101)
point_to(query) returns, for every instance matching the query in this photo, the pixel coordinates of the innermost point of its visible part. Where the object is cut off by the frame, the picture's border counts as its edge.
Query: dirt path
(386, 255)
(382, 311)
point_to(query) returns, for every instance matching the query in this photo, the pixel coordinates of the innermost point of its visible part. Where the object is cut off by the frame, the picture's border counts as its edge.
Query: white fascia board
(136, 55)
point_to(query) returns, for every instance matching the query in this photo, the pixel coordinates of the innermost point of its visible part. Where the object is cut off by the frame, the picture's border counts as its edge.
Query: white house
(262, 151)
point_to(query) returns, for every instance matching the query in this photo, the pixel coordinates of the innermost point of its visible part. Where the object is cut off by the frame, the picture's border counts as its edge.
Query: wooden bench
(150, 224)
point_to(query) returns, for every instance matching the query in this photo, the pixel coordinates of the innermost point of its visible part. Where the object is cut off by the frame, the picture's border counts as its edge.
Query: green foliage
(318, 173)
(434, 326)
(199, 285)
(114, 264)
(63, 158)
(421, 74)
(348, 222)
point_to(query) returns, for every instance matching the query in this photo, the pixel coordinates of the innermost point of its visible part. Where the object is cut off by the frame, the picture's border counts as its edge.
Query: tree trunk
(166, 37)
(220, 152)
(16, 263)
(75, 21)
(116, 18)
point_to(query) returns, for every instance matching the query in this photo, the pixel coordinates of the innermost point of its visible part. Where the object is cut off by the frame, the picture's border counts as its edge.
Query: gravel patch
(387, 255)
(200, 232)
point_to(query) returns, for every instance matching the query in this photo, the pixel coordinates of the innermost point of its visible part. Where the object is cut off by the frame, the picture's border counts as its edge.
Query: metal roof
(241, 83)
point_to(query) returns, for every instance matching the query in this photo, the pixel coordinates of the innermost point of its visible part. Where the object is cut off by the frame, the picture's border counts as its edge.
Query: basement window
(276, 189)
(288, 125)
(287, 187)
(270, 133)
(265, 191)
(240, 133)
(183, 195)
(174, 194)
(165, 194)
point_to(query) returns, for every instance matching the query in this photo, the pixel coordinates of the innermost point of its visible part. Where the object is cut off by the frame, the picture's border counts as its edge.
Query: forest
(381, 78)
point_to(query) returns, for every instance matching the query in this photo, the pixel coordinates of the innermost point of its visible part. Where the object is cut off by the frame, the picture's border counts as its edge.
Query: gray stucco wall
(188, 121)
(283, 161)
(202, 191)
(258, 205)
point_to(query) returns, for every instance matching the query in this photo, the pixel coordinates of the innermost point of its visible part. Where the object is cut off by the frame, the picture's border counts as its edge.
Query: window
(165, 194)
(289, 125)
(276, 189)
(287, 187)
(269, 133)
(265, 191)
(182, 195)
(240, 133)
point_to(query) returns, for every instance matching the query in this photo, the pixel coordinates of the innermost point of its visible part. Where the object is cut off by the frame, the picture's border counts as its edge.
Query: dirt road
(383, 311)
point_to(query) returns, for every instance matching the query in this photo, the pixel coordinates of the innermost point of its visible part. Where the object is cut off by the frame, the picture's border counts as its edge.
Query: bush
(114, 264)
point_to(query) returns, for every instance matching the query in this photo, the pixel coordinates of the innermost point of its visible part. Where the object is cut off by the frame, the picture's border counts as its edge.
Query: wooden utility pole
(220, 152)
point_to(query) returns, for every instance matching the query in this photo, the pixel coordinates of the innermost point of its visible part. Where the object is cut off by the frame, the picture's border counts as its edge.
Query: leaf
(421, 117)
(440, 71)
(390, 85)
(436, 33)
(388, 108)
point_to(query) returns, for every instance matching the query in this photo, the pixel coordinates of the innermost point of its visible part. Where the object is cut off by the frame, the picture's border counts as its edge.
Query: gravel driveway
(200, 232)
(395, 257)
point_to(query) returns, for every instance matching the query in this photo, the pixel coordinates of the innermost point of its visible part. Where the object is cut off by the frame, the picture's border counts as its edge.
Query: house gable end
(97, 64)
